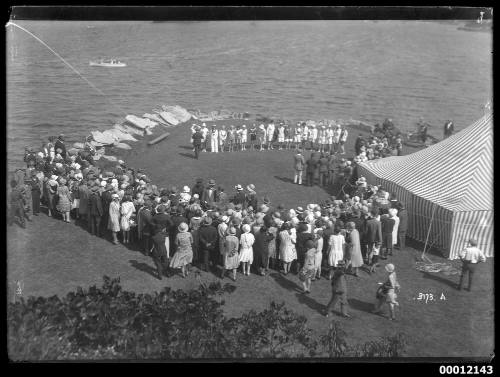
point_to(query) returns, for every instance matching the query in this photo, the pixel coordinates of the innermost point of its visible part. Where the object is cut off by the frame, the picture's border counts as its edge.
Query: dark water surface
(293, 69)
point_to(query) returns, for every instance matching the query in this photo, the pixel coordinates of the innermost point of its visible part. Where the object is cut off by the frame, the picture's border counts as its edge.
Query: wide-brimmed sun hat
(238, 187)
(115, 196)
(389, 267)
(186, 189)
(225, 219)
(251, 187)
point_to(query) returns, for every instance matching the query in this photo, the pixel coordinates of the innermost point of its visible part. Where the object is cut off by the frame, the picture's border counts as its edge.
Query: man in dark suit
(106, 201)
(239, 197)
(95, 211)
(209, 196)
(197, 138)
(160, 253)
(208, 241)
(373, 238)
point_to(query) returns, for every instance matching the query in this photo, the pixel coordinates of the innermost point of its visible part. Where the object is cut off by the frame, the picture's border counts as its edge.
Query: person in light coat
(222, 138)
(270, 135)
(214, 140)
(247, 240)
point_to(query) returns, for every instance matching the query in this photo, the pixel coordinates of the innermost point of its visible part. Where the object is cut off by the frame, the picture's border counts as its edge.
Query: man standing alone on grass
(299, 162)
(339, 291)
(470, 256)
(197, 139)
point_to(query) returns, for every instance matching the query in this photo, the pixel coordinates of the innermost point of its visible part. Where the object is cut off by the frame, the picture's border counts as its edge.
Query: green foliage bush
(109, 323)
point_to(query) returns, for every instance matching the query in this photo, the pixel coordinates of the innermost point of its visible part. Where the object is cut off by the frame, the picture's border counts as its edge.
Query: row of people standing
(325, 138)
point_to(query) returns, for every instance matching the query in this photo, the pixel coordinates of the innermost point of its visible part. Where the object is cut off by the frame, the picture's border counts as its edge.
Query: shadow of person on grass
(310, 302)
(360, 305)
(440, 279)
(141, 266)
(188, 155)
(187, 147)
(284, 179)
(284, 282)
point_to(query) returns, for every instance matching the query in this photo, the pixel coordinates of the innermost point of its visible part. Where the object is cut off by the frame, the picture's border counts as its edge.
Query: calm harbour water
(293, 69)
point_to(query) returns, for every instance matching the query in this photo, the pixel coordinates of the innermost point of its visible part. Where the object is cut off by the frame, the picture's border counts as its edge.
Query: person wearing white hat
(270, 135)
(322, 138)
(387, 292)
(247, 240)
(214, 140)
(222, 138)
(184, 249)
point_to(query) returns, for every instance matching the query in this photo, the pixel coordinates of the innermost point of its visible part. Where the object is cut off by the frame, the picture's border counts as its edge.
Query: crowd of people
(206, 227)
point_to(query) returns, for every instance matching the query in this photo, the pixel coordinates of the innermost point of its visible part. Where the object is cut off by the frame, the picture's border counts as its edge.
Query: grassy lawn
(52, 257)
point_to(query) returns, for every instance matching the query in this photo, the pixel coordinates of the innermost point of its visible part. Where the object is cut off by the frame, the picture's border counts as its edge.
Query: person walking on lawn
(339, 291)
(470, 257)
(386, 293)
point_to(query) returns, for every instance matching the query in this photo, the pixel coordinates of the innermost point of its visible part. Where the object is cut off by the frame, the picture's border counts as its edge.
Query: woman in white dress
(127, 210)
(336, 245)
(393, 215)
(246, 252)
(287, 247)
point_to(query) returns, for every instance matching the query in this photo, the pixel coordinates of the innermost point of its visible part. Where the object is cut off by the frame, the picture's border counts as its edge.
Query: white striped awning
(456, 173)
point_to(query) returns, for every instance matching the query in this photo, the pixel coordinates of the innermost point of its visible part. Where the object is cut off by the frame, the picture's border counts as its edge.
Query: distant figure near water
(448, 128)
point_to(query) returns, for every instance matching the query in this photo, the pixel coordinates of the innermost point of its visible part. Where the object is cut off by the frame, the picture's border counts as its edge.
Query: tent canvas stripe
(473, 224)
(455, 174)
(464, 157)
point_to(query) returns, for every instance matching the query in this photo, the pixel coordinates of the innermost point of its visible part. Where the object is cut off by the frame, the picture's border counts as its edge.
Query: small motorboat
(107, 63)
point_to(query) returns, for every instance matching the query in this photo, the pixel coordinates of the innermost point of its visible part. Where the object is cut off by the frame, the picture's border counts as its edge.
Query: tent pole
(429, 231)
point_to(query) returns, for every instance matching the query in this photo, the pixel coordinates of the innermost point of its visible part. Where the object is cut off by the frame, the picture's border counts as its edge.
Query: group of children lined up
(322, 137)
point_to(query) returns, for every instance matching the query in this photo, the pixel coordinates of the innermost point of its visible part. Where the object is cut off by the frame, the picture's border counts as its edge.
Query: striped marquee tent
(447, 187)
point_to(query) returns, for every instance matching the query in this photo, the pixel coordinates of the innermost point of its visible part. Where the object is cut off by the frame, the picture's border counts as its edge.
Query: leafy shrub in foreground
(109, 323)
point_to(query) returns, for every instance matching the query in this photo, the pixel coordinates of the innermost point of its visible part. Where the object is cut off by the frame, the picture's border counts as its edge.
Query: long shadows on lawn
(285, 283)
(360, 305)
(141, 266)
(310, 302)
(188, 155)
